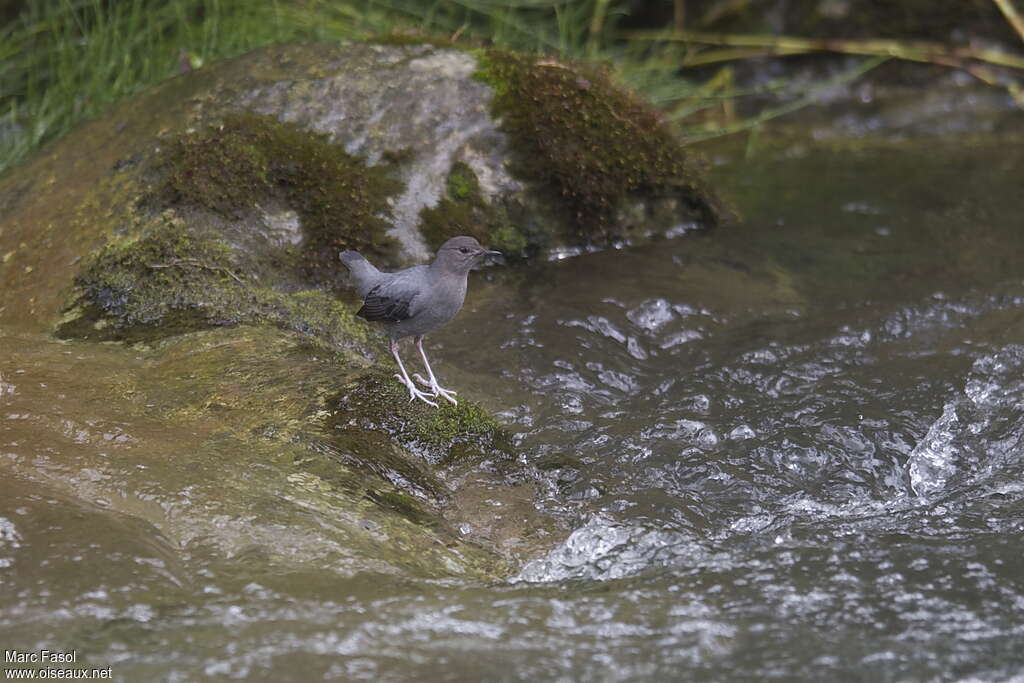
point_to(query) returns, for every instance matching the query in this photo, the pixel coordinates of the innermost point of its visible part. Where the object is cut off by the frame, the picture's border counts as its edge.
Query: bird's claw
(436, 389)
(415, 393)
(447, 395)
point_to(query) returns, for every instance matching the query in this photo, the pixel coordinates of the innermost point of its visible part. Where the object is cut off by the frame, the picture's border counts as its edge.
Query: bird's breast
(447, 300)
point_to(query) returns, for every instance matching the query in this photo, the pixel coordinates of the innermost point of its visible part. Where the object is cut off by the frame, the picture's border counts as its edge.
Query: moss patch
(463, 211)
(172, 277)
(198, 258)
(229, 169)
(449, 435)
(318, 316)
(175, 280)
(591, 142)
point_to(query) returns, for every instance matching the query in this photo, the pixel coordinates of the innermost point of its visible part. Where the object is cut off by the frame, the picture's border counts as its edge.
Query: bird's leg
(446, 394)
(414, 392)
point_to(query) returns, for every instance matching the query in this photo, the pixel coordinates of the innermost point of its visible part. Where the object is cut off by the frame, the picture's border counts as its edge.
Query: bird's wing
(393, 299)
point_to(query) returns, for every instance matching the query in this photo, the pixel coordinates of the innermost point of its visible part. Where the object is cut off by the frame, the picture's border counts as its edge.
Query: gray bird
(416, 300)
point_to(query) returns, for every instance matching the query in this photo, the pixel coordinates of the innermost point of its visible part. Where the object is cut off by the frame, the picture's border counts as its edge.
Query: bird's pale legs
(414, 392)
(438, 390)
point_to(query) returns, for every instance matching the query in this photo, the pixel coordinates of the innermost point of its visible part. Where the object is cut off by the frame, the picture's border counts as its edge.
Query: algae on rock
(449, 435)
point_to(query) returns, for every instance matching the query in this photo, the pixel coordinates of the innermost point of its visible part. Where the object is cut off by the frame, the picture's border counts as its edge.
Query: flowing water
(788, 449)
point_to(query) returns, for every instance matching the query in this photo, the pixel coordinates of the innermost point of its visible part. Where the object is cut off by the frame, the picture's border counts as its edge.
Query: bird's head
(460, 254)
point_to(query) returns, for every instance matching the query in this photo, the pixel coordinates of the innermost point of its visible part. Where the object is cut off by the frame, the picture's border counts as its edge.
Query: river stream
(787, 449)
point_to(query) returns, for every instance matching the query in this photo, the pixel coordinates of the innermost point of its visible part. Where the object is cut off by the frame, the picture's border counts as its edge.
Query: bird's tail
(364, 273)
(349, 258)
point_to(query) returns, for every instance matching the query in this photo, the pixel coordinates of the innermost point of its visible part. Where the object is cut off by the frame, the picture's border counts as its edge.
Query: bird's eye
(463, 250)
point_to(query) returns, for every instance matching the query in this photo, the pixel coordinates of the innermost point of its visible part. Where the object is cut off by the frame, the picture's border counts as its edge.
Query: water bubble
(652, 314)
(604, 549)
(680, 338)
(742, 432)
(980, 427)
(9, 536)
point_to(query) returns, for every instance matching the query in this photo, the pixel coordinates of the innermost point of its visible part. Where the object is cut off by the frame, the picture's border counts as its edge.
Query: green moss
(171, 277)
(173, 280)
(233, 167)
(464, 211)
(508, 240)
(177, 275)
(462, 183)
(589, 141)
(319, 316)
(446, 435)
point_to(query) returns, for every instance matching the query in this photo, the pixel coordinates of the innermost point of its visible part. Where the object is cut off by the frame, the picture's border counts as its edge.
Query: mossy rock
(173, 280)
(451, 435)
(247, 159)
(199, 224)
(592, 145)
(386, 148)
(275, 404)
(196, 255)
(463, 210)
(598, 164)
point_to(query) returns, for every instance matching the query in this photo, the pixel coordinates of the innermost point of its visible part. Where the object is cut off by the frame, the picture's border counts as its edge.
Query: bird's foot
(437, 389)
(414, 392)
(446, 394)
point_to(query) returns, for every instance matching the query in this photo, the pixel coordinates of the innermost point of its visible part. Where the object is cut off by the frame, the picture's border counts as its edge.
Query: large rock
(200, 223)
(572, 160)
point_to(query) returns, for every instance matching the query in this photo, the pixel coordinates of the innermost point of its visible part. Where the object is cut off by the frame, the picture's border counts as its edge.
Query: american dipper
(416, 300)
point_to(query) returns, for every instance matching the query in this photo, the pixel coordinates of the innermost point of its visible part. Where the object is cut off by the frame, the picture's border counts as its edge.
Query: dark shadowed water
(789, 449)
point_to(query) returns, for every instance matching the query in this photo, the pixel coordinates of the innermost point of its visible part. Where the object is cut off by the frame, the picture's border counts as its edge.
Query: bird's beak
(485, 255)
